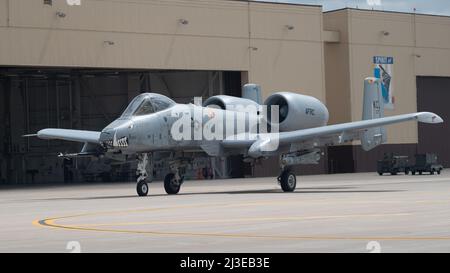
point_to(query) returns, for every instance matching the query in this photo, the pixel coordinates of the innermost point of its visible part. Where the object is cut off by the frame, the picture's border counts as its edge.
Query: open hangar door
(89, 99)
(433, 94)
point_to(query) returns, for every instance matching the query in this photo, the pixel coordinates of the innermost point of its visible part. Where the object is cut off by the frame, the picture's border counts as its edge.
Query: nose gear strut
(145, 161)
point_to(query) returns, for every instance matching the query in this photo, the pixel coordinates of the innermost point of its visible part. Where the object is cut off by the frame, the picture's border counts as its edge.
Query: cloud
(439, 7)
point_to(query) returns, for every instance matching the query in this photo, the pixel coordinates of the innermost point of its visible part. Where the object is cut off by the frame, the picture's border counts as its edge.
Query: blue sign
(383, 60)
(383, 69)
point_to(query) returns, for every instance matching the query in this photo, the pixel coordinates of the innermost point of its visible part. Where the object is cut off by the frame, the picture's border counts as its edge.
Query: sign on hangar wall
(383, 69)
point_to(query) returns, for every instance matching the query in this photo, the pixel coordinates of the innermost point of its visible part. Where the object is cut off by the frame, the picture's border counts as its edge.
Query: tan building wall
(362, 38)
(337, 69)
(220, 35)
(287, 60)
(3, 13)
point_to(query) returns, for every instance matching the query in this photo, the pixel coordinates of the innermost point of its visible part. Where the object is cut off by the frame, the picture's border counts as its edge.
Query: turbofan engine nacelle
(225, 102)
(297, 111)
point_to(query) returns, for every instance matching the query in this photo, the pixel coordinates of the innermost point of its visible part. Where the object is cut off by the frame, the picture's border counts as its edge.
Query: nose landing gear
(142, 188)
(144, 161)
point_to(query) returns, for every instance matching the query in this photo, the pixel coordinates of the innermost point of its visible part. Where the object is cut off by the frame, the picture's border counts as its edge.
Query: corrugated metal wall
(89, 99)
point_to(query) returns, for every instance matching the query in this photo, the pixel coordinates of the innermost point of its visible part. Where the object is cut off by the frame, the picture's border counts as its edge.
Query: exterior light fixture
(385, 33)
(183, 22)
(253, 48)
(60, 14)
(289, 27)
(110, 43)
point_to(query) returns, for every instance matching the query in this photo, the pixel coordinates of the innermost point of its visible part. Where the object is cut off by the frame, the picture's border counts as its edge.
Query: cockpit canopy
(147, 103)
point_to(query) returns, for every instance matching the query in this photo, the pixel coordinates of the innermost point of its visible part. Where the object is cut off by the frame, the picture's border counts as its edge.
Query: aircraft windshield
(146, 104)
(145, 108)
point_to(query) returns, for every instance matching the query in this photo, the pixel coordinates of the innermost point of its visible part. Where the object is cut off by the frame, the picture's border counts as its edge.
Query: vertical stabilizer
(373, 108)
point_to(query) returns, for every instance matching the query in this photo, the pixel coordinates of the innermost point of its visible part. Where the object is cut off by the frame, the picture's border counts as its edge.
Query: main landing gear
(173, 180)
(172, 184)
(287, 180)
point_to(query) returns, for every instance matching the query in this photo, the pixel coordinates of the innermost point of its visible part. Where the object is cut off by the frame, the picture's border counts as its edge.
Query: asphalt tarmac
(327, 213)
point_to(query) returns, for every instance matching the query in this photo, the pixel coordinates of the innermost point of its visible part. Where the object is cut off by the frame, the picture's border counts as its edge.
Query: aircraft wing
(332, 134)
(70, 135)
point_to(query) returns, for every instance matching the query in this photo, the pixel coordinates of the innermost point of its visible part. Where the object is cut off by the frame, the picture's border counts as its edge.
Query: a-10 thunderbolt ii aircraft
(224, 125)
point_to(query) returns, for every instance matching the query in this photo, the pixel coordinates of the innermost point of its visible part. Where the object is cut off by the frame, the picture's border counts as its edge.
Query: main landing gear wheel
(172, 185)
(142, 188)
(288, 181)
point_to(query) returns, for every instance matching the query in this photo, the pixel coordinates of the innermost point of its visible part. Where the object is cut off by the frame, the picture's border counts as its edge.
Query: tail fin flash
(373, 108)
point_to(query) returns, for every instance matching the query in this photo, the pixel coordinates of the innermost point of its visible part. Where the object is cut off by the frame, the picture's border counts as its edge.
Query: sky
(438, 7)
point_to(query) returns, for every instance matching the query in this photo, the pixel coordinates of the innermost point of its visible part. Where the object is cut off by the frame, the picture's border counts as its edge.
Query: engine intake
(297, 111)
(230, 103)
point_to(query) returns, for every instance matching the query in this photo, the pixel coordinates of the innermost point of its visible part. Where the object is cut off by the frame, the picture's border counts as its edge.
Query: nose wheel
(144, 161)
(142, 188)
(288, 181)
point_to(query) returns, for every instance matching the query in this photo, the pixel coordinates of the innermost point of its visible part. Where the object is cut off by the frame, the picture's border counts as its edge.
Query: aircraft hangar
(78, 66)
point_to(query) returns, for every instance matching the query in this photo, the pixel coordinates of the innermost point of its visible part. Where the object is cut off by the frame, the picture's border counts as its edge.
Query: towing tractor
(393, 164)
(426, 163)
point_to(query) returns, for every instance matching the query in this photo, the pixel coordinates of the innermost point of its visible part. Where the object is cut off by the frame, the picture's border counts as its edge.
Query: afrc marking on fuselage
(310, 111)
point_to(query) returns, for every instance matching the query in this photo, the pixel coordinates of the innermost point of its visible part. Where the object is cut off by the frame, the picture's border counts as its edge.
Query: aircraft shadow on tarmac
(331, 190)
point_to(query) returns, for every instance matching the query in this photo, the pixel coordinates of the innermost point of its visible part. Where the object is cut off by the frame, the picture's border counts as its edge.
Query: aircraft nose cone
(107, 137)
(116, 134)
(115, 138)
